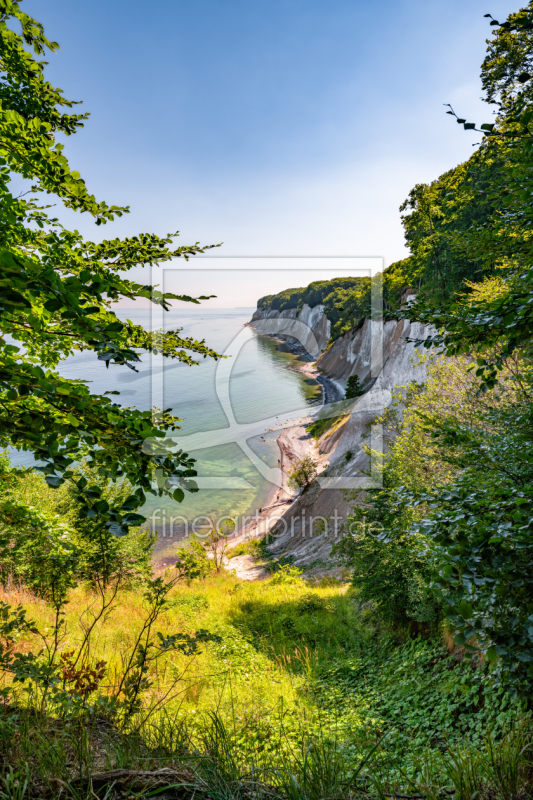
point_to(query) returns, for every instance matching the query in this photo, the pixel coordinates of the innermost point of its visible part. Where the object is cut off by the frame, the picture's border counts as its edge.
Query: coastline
(294, 443)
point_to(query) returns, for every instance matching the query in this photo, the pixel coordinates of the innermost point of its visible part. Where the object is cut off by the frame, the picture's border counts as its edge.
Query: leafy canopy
(494, 198)
(457, 502)
(57, 292)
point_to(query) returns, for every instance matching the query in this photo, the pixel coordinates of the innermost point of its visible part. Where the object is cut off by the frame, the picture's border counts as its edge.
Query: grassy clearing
(321, 426)
(303, 683)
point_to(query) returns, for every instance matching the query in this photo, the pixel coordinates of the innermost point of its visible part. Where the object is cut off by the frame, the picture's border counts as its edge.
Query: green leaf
(178, 495)
(465, 609)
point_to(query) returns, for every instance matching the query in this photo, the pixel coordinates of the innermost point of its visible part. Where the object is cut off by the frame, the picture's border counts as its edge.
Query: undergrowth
(297, 686)
(253, 547)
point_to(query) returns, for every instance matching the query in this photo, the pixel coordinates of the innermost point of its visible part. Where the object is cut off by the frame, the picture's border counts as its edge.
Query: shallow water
(224, 406)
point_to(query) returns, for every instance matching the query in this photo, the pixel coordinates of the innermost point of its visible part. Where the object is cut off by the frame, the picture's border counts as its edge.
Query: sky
(278, 128)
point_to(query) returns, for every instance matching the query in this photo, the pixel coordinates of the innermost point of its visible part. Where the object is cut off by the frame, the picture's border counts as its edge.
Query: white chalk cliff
(383, 356)
(308, 328)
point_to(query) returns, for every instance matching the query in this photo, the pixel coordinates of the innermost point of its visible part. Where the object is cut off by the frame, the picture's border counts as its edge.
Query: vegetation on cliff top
(454, 516)
(346, 301)
(414, 679)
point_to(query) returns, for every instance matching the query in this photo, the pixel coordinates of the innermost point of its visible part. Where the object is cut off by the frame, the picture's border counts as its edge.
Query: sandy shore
(294, 443)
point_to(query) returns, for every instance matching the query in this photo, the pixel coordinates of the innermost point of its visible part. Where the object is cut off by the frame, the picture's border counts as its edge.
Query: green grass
(321, 426)
(302, 678)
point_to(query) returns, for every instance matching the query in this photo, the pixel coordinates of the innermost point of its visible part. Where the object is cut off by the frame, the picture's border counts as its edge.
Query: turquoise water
(225, 406)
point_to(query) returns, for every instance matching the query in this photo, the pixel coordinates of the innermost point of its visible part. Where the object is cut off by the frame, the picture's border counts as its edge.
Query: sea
(232, 410)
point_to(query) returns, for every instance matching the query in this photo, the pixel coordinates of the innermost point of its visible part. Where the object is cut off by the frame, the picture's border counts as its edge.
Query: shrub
(104, 558)
(193, 562)
(36, 549)
(311, 603)
(303, 473)
(390, 570)
(240, 549)
(254, 548)
(36, 546)
(40, 524)
(286, 574)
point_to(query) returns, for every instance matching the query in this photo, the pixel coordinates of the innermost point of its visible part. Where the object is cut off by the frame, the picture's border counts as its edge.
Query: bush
(484, 580)
(254, 548)
(286, 574)
(390, 570)
(104, 558)
(193, 563)
(36, 546)
(391, 567)
(41, 527)
(303, 473)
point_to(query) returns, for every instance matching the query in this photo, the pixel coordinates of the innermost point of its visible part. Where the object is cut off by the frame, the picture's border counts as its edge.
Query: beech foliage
(57, 297)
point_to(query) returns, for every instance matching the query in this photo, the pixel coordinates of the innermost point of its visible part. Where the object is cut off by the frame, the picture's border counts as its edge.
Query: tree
(217, 541)
(501, 315)
(479, 524)
(57, 292)
(353, 387)
(303, 473)
(197, 559)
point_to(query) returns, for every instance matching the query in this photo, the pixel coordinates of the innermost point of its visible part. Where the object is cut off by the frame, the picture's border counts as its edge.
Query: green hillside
(346, 301)
(443, 222)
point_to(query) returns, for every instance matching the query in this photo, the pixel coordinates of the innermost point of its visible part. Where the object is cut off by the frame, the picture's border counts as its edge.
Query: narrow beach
(294, 443)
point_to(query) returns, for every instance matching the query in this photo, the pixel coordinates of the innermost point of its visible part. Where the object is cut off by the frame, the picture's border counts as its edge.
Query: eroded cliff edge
(383, 356)
(310, 333)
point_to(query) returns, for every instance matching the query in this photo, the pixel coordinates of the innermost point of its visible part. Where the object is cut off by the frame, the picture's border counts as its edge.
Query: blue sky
(292, 127)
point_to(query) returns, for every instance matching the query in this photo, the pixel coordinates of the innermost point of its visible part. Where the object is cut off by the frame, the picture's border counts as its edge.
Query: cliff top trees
(486, 217)
(56, 297)
(458, 479)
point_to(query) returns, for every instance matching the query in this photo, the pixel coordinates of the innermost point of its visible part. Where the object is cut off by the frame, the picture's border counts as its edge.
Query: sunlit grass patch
(298, 665)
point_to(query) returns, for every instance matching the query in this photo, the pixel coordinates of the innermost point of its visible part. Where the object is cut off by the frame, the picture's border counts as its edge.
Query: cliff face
(383, 358)
(306, 330)
(378, 353)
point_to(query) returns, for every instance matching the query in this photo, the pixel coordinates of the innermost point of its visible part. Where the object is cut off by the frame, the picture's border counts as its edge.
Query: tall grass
(305, 696)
